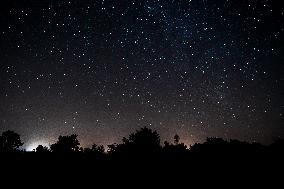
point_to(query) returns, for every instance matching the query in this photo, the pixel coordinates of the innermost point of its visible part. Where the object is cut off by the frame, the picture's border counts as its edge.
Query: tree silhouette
(144, 139)
(175, 151)
(176, 139)
(142, 143)
(66, 144)
(10, 141)
(42, 149)
(144, 146)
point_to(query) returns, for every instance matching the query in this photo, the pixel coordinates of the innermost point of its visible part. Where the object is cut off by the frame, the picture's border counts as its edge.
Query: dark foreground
(261, 166)
(142, 159)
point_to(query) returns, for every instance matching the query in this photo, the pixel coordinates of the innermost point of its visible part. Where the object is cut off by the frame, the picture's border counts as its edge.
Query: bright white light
(34, 144)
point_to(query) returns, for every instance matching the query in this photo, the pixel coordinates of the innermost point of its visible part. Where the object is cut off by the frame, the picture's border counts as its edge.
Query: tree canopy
(10, 141)
(66, 144)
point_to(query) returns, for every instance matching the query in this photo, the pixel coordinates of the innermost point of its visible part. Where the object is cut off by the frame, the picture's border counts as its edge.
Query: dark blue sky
(102, 69)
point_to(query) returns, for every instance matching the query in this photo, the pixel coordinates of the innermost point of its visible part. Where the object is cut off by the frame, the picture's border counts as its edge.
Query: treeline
(145, 144)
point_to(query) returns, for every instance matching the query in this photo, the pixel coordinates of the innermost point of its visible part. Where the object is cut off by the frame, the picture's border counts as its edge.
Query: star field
(103, 69)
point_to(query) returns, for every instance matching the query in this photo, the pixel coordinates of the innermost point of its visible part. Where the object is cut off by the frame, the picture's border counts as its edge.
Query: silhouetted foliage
(145, 139)
(99, 149)
(66, 144)
(176, 139)
(96, 151)
(42, 149)
(10, 141)
(142, 143)
(176, 150)
(144, 146)
(112, 148)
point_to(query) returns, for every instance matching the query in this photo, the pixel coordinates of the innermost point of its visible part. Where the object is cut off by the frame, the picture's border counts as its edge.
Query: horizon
(31, 146)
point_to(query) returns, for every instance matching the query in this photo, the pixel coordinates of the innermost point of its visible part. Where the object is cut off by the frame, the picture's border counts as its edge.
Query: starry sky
(103, 69)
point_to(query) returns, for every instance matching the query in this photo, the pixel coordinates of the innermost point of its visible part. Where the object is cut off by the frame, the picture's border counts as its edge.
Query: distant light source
(34, 144)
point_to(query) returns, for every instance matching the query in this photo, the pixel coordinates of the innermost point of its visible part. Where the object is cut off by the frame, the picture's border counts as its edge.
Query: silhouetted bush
(42, 149)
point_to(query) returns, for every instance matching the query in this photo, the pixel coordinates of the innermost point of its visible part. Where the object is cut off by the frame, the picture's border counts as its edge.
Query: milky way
(103, 69)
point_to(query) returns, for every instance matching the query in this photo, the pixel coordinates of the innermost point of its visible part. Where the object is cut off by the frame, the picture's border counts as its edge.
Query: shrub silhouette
(42, 149)
(66, 144)
(10, 141)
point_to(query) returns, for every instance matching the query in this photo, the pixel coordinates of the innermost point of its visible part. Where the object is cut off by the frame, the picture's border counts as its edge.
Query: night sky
(103, 69)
